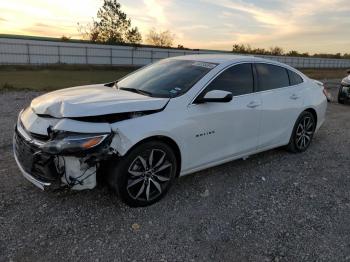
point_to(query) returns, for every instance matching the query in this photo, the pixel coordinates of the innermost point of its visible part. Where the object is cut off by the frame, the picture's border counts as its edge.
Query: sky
(314, 26)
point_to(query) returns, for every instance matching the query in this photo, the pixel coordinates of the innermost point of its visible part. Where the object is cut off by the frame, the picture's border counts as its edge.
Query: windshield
(167, 78)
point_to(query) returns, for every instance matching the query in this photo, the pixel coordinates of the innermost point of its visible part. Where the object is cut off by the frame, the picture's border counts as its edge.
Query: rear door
(281, 98)
(223, 130)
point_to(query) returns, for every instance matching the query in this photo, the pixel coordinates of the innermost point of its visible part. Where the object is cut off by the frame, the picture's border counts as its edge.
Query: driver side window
(237, 79)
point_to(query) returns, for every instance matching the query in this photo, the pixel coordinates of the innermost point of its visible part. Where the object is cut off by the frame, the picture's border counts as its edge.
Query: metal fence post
(86, 55)
(111, 56)
(132, 56)
(28, 54)
(59, 54)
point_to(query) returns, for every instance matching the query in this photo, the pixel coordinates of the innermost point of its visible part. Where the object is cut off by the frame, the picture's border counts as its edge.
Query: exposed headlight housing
(73, 143)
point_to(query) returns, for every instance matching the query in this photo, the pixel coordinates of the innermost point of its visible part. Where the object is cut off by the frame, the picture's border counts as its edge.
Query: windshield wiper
(111, 84)
(134, 90)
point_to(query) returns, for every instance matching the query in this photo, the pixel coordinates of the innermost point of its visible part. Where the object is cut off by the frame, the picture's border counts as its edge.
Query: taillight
(325, 92)
(327, 95)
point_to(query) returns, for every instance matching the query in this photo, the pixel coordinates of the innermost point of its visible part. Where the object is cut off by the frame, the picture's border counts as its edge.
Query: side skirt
(229, 159)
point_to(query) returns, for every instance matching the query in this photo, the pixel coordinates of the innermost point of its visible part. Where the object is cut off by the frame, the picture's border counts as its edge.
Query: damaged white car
(168, 119)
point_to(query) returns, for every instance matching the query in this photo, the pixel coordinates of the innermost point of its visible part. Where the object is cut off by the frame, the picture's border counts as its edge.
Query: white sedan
(168, 119)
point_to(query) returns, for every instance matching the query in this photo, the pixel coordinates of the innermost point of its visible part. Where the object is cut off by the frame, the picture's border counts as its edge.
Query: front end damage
(64, 136)
(61, 158)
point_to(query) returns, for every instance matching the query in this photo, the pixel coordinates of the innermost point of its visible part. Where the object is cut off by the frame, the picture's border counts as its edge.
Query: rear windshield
(167, 78)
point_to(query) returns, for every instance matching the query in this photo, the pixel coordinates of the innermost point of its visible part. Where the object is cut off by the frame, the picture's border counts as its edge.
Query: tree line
(278, 51)
(113, 26)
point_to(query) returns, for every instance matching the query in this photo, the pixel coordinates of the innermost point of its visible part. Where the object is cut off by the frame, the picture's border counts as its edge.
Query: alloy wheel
(149, 175)
(304, 133)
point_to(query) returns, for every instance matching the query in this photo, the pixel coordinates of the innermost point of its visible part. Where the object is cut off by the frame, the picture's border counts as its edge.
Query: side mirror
(217, 96)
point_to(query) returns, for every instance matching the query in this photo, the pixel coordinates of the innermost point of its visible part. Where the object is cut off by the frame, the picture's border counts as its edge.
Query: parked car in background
(169, 119)
(344, 90)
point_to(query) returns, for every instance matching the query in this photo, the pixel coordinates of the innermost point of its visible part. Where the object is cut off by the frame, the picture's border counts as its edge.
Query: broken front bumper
(41, 184)
(36, 166)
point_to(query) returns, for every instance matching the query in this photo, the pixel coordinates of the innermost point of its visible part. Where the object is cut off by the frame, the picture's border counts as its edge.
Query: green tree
(133, 36)
(112, 26)
(65, 38)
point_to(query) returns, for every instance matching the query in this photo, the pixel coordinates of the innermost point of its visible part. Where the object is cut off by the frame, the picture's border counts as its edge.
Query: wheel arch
(167, 140)
(313, 112)
(310, 110)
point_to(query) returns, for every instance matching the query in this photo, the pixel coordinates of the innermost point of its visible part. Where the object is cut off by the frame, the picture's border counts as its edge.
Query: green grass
(54, 77)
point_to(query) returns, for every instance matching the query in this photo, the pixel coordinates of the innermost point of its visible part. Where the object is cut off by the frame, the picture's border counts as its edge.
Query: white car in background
(168, 119)
(344, 90)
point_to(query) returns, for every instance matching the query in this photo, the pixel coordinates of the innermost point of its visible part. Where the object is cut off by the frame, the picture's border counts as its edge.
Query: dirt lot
(275, 206)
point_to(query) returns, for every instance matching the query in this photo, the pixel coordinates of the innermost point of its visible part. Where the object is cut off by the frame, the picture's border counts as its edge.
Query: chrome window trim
(279, 88)
(215, 76)
(286, 68)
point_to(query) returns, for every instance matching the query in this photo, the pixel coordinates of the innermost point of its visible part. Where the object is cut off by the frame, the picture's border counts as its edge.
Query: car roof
(222, 58)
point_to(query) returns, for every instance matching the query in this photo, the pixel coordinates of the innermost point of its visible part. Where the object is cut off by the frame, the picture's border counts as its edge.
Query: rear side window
(271, 77)
(237, 79)
(294, 78)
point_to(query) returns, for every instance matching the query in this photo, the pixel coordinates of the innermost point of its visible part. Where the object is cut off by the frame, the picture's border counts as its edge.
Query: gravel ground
(274, 206)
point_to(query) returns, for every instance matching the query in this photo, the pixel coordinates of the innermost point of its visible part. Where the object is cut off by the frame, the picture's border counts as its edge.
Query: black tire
(340, 99)
(300, 140)
(133, 173)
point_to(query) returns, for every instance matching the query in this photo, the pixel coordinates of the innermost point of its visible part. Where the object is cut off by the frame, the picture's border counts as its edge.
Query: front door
(223, 130)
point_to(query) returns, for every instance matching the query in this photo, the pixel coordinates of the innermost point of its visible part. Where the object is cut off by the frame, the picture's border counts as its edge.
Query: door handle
(254, 104)
(294, 97)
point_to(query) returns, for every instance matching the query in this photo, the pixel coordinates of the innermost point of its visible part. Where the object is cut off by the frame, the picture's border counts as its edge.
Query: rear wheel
(145, 174)
(303, 133)
(340, 98)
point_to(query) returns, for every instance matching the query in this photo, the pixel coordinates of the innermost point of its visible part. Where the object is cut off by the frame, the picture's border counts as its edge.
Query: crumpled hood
(346, 80)
(93, 100)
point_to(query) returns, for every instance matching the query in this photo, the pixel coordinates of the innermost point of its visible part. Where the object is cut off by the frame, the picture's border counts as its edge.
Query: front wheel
(303, 133)
(145, 174)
